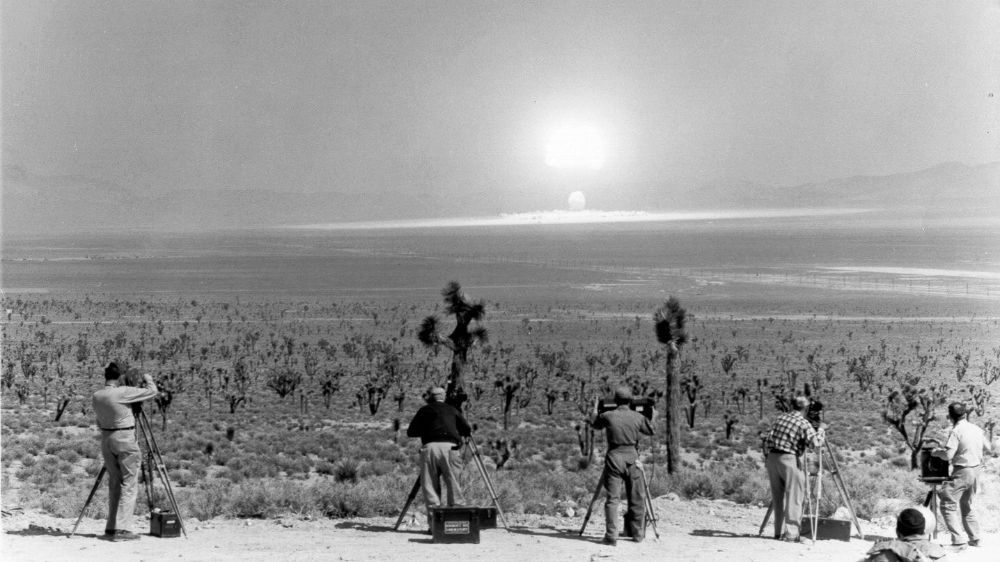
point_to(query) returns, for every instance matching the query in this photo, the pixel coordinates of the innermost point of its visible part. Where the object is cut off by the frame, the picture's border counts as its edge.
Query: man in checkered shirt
(786, 443)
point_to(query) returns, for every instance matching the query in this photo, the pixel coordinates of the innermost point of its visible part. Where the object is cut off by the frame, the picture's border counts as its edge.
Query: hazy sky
(355, 96)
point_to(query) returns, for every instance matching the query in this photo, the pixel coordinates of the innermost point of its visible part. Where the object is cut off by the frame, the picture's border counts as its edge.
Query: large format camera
(642, 405)
(931, 466)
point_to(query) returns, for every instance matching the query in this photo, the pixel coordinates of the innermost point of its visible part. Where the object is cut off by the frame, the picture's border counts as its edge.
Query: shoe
(125, 536)
(639, 539)
(109, 532)
(791, 539)
(958, 547)
(610, 541)
(973, 542)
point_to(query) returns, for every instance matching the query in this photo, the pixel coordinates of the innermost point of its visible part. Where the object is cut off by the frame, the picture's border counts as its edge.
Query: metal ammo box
(487, 517)
(164, 524)
(826, 529)
(455, 524)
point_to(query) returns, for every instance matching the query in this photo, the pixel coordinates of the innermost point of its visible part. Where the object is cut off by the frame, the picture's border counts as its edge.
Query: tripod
(816, 492)
(650, 516)
(931, 501)
(153, 459)
(470, 443)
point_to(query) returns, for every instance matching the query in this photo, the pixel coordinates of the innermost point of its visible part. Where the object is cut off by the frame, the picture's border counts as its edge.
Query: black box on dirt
(164, 524)
(487, 517)
(834, 529)
(455, 524)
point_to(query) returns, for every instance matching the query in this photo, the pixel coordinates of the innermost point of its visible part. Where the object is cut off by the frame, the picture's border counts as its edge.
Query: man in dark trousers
(624, 427)
(113, 407)
(440, 428)
(786, 443)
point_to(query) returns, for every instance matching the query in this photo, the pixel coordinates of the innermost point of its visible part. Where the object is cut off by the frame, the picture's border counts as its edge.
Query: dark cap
(111, 372)
(910, 522)
(623, 395)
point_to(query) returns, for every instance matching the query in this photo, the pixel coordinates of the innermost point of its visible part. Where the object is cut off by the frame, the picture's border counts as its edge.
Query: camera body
(932, 467)
(642, 405)
(814, 413)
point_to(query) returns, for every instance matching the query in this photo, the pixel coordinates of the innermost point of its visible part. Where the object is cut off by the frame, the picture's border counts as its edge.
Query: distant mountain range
(34, 204)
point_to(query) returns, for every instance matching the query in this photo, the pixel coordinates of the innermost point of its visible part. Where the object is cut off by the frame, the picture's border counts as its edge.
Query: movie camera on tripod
(642, 405)
(163, 522)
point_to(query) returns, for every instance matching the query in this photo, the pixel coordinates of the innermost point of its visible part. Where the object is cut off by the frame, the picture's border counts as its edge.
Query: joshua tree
(669, 322)
(459, 341)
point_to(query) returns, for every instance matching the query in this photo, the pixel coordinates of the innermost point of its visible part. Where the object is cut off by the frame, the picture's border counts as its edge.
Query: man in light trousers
(122, 457)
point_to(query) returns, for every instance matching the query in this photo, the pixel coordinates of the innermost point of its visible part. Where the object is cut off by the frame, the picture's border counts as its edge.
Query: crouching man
(624, 427)
(440, 428)
(113, 407)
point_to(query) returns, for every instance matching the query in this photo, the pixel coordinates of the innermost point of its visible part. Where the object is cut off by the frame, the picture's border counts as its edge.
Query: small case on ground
(826, 529)
(487, 517)
(455, 524)
(164, 524)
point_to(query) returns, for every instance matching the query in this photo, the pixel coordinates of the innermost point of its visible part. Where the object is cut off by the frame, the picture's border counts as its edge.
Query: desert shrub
(252, 499)
(324, 467)
(28, 460)
(68, 455)
(346, 470)
(209, 499)
(376, 468)
(697, 484)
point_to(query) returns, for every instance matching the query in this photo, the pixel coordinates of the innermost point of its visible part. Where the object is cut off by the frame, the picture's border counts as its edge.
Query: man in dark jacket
(621, 464)
(440, 428)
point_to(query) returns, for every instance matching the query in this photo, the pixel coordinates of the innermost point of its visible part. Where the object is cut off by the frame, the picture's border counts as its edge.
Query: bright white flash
(575, 146)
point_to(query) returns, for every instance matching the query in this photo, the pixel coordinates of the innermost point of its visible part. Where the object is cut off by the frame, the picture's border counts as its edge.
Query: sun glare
(575, 146)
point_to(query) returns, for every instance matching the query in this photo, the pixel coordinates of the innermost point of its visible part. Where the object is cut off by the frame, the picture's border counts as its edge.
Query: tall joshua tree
(466, 334)
(669, 322)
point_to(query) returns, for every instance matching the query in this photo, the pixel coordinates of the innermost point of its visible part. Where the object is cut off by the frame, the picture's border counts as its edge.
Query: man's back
(624, 427)
(112, 405)
(438, 421)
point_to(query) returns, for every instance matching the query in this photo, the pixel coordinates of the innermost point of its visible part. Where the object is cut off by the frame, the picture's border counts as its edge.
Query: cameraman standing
(964, 450)
(440, 428)
(113, 407)
(624, 427)
(786, 443)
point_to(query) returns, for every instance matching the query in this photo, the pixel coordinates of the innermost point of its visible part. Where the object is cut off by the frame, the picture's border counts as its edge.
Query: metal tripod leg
(590, 508)
(406, 506)
(486, 478)
(86, 504)
(161, 469)
(767, 517)
(842, 488)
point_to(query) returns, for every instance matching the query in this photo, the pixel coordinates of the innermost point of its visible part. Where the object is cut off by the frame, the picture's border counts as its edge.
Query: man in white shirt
(122, 457)
(965, 449)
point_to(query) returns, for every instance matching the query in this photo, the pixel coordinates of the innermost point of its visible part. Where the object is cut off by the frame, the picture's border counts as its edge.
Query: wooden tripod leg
(486, 478)
(97, 484)
(650, 514)
(409, 499)
(842, 488)
(590, 508)
(161, 469)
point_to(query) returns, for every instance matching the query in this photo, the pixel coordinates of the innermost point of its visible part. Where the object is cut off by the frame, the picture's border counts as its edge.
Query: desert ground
(697, 530)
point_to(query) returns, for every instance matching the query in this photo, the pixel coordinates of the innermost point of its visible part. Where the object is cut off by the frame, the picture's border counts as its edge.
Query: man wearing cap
(964, 449)
(911, 542)
(440, 428)
(113, 407)
(785, 444)
(621, 464)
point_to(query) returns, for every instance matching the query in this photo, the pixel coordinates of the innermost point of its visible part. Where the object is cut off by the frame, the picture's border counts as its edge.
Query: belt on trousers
(780, 452)
(118, 428)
